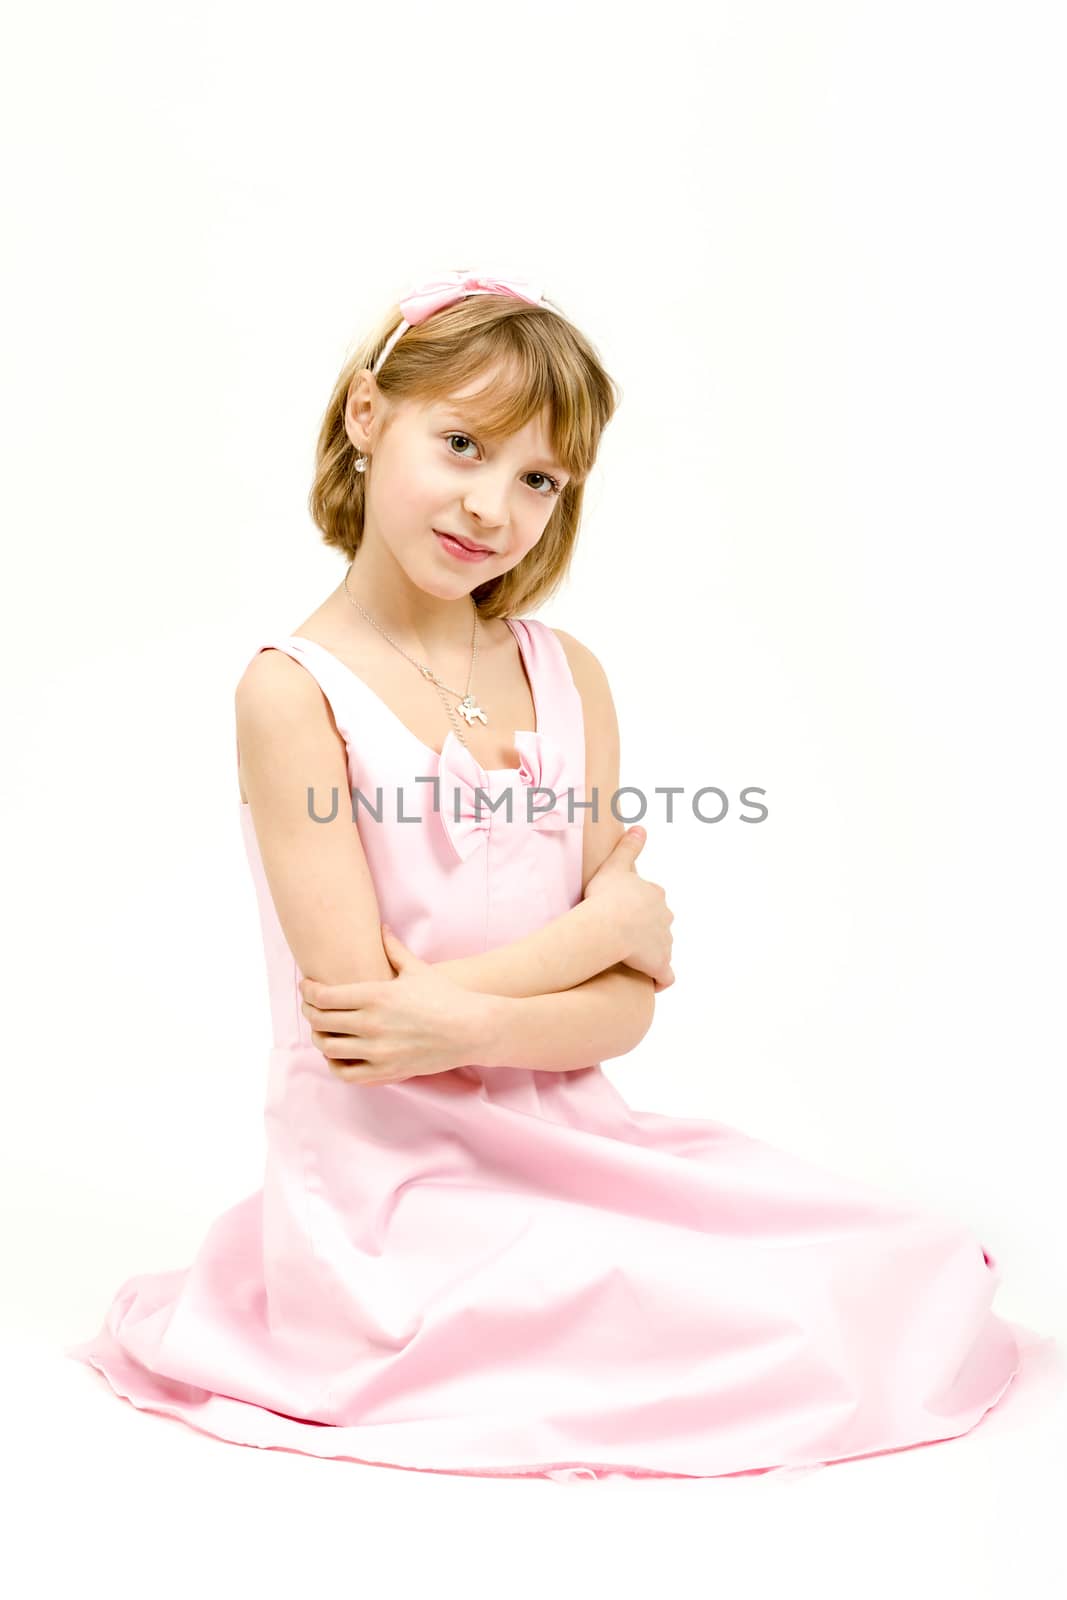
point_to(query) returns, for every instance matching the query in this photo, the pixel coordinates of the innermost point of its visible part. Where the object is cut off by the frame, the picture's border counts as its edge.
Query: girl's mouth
(460, 551)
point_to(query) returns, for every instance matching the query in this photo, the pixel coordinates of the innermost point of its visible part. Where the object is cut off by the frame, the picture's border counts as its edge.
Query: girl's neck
(423, 624)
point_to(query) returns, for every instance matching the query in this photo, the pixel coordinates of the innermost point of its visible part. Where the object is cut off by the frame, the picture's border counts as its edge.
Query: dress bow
(467, 816)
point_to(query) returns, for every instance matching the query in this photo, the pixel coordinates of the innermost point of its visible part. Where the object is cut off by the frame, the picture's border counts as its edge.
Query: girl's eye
(554, 485)
(452, 436)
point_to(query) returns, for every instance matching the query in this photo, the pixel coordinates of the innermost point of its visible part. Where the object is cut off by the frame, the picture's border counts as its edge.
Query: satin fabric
(468, 809)
(501, 1271)
(437, 293)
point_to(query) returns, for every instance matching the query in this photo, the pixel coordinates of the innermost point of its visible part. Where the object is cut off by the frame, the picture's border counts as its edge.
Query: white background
(821, 249)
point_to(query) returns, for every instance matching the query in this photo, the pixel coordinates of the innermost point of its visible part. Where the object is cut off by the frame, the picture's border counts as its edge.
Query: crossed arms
(554, 998)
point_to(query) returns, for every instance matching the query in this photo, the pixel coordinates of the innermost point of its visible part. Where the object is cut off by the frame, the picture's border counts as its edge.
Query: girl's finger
(364, 1079)
(343, 1047)
(330, 1021)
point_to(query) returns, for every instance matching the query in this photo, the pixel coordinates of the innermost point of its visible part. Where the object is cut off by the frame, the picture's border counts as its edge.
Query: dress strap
(331, 675)
(547, 661)
(559, 702)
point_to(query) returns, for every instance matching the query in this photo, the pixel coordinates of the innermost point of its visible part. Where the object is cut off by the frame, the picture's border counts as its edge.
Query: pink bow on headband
(426, 298)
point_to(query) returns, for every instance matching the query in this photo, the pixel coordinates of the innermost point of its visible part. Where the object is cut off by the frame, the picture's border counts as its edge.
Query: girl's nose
(487, 502)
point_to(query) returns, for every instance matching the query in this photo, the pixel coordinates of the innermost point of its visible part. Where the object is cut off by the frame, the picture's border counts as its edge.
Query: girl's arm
(327, 907)
(564, 993)
(581, 944)
(318, 875)
(605, 1016)
(320, 883)
(584, 941)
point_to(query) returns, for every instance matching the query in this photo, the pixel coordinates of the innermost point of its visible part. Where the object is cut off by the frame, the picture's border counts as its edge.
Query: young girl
(469, 1253)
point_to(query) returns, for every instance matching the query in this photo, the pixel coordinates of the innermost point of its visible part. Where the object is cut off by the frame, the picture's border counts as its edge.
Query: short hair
(536, 358)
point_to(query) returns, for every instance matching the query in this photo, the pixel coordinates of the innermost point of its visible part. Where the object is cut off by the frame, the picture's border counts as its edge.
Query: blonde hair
(540, 359)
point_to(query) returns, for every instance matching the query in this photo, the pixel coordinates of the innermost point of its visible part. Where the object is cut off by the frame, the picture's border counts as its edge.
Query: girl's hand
(388, 1030)
(639, 908)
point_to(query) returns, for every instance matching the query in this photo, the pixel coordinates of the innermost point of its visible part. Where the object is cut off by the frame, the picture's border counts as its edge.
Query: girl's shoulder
(589, 676)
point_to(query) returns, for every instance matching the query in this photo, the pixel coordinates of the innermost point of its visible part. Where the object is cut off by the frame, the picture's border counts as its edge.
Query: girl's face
(431, 474)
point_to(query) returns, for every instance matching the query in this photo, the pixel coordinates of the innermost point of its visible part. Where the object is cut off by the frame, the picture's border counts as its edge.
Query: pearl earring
(361, 463)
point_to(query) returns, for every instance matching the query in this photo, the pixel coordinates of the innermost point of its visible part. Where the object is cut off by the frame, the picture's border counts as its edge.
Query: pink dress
(503, 1271)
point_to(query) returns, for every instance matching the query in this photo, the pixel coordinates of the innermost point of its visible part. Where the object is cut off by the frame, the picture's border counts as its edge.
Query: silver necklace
(467, 707)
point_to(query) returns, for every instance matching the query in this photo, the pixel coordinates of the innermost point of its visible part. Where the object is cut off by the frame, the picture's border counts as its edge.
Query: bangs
(503, 390)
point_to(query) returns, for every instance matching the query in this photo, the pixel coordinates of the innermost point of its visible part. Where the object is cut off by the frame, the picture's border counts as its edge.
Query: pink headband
(426, 298)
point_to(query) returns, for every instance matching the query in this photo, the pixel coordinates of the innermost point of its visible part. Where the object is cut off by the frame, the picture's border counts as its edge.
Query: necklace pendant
(468, 709)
